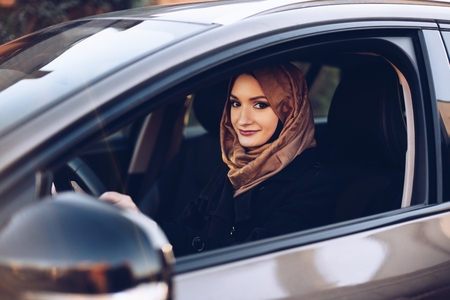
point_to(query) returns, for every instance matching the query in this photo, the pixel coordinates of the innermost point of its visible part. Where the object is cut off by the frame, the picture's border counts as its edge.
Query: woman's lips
(247, 132)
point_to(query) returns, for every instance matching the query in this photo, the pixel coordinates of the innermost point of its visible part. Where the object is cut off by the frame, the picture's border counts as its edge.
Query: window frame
(199, 261)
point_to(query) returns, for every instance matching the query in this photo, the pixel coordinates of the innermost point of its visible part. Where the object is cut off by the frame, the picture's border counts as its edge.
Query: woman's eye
(234, 103)
(261, 105)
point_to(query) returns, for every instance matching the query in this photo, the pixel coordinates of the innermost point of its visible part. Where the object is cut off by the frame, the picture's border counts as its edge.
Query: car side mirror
(75, 245)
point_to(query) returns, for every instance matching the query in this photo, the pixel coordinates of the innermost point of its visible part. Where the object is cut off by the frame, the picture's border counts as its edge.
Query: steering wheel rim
(79, 169)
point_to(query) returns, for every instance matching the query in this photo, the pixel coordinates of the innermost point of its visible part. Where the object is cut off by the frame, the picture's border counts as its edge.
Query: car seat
(187, 174)
(368, 135)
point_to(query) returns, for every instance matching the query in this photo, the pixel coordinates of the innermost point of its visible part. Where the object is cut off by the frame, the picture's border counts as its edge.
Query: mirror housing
(74, 245)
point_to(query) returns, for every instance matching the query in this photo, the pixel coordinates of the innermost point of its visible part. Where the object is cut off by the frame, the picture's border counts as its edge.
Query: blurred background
(20, 17)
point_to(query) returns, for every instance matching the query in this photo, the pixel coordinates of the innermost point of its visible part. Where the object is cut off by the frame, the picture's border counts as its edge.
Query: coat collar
(217, 197)
(297, 167)
(293, 171)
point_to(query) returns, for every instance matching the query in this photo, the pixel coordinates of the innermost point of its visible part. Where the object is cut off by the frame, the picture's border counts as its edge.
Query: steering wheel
(78, 170)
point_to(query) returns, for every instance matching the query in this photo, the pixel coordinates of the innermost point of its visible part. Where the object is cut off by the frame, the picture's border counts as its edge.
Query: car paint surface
(405, 257)
(394, 261)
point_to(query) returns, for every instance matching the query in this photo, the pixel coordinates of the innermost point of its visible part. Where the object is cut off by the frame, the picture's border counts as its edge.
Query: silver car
(130, 102)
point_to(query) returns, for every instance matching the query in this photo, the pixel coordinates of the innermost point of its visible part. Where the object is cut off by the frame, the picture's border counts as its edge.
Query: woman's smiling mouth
(247, 132)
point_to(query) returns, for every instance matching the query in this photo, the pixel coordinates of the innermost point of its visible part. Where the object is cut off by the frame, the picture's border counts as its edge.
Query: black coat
(303, 195)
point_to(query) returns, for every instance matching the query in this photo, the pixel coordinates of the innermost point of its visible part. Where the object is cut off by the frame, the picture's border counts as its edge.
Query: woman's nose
(245, 117)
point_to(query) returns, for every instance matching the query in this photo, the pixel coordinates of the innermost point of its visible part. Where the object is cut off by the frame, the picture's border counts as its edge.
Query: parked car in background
(130, 101)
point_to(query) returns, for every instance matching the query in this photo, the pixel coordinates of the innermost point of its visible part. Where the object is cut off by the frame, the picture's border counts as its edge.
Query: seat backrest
(193, 166)
(368, 136)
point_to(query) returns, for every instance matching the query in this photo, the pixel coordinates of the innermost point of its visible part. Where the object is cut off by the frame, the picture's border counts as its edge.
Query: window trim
(411, 149)
(301, 239)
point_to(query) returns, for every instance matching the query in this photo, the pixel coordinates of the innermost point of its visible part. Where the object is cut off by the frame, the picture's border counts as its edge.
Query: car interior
(164, 158)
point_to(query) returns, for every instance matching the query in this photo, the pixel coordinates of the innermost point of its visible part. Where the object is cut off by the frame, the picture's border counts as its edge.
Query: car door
(399, 253)
(389, 253)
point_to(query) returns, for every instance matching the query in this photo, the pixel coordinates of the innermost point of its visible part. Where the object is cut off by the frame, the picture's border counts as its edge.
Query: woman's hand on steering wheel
(120, 200)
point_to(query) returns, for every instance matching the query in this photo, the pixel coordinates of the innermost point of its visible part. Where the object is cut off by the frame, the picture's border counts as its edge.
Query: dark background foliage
(21, 17)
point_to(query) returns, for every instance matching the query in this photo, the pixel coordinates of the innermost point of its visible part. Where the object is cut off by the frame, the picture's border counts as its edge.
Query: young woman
(270, 182)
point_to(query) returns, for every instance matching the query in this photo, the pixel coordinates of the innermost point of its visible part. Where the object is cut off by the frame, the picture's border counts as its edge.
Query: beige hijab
(285, 88)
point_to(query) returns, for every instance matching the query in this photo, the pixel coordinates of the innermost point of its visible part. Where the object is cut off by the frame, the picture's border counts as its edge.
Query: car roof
(229, 11)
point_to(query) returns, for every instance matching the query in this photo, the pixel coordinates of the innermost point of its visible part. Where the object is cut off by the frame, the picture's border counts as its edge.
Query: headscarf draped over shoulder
(285, 88)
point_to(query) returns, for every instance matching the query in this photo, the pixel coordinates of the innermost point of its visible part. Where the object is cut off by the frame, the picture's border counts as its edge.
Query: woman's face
(251, 115)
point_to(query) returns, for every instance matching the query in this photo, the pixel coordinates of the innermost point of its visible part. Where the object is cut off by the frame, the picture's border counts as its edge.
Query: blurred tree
(323, 90)
(21, 17)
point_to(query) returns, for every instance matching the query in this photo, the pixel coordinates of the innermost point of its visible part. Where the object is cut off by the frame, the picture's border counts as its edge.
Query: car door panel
(405, 260)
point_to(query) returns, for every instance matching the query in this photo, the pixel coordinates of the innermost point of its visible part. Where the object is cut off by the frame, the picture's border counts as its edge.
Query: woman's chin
(249, 146)
(246, 144)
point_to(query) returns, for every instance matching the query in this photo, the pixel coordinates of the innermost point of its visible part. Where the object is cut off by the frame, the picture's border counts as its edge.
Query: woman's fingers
(54, 192)
(121, 200)
(77, 188)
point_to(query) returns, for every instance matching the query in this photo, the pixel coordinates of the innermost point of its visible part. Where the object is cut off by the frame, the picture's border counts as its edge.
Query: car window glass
(73, 59)
(322, 87)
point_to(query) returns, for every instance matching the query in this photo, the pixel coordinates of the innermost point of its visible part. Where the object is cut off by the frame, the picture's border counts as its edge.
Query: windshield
(41, 69)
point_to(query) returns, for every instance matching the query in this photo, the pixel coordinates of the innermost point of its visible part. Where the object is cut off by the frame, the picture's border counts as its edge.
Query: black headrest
(366, 118)
(208, 106)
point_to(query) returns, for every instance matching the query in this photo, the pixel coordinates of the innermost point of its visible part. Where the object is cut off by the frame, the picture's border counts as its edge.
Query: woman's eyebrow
(258, 98)
(252, 98)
